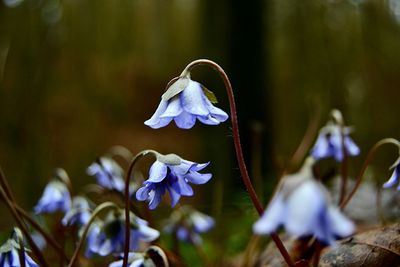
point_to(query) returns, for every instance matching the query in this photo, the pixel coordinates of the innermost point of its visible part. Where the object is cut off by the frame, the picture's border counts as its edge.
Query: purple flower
(188, 224)
(79, 214)
(173, 178)
(108, 237)
(9, 255)
(184, 102)
(302, 206)
(394, 179)
(56, 197)
(329, 143)
(108, 173)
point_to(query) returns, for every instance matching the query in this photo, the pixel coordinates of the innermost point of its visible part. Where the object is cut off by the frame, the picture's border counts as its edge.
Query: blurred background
(77, 77)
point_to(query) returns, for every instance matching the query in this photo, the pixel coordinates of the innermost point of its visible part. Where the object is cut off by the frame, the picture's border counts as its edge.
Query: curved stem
(96, 212)
(235, 129)
(127, 202)
(7, 195)
(238, 147)
(38, 228)
(21, 250)
(370, 155)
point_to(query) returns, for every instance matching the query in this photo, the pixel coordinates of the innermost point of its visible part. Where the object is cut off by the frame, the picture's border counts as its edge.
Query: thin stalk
(128, 202)
(343, 170)
(21, 250)
(235, 129)
(238, 147)
(38, 228)
(22, 226)
(96, 212)
(367, 161)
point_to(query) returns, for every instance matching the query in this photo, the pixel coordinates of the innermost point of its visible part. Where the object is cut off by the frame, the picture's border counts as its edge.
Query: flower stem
(21, 250)
(370, 155)
(96, 212)
(135, 159)
(235, 129)
(38, 228)
(238, 147)
(10, 202)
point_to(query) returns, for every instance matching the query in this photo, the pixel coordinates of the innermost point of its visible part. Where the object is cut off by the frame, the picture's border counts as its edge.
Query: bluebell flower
(187, 224)
(174, 178)
(329, 143)
(9, 255)
(56, 197)
(108, 236)
(302, 205)
(184, 102)
(79, 214)
(108, 173)
(394, 178)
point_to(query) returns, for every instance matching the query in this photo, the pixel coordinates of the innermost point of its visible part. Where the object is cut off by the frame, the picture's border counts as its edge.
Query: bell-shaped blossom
(108, 173)
(108, 237)
(394, 179)
(187, 224)
(302, 205)
(184, 102)
(56, 197)
(174, 178)
(9, 255)
(79, 214)
(330, 143)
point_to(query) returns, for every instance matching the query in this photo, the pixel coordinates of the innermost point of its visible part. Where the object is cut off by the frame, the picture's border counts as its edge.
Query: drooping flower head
(331, 140)
(56, 196)
(9, 255)
(302, 206)
(108, 173)
(79, 214)
(187, 224)
(173, 174)
(108, 236)
(184, 102)
(394, 179)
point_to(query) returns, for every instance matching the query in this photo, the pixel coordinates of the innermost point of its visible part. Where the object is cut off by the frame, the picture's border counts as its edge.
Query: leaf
(178, 85)
(210, 95)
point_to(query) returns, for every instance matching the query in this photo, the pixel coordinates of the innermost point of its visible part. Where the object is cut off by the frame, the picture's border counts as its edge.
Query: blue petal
(198, 178)
(142, 193)
(155, 197)
(393, 179)
(155, 121)
(185, 120)
(158, 171)
(351, 148)
(192, 99)
(321, 147)
(216, 113)
(208, 120)
(175, 196)
(174, 109)
(184, 188)
(272, 217)
(304, 207)
(201, 222)
(340, 225)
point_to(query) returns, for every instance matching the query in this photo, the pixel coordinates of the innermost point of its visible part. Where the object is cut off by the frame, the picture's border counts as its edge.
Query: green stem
(96, 212)
(370, 155)
(135, 159)
(238, 147)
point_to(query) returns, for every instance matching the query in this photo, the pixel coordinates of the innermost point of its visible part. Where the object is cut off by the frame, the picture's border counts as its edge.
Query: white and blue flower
(184, 102)
(302, 206)
(174, 178)
(56, 197)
